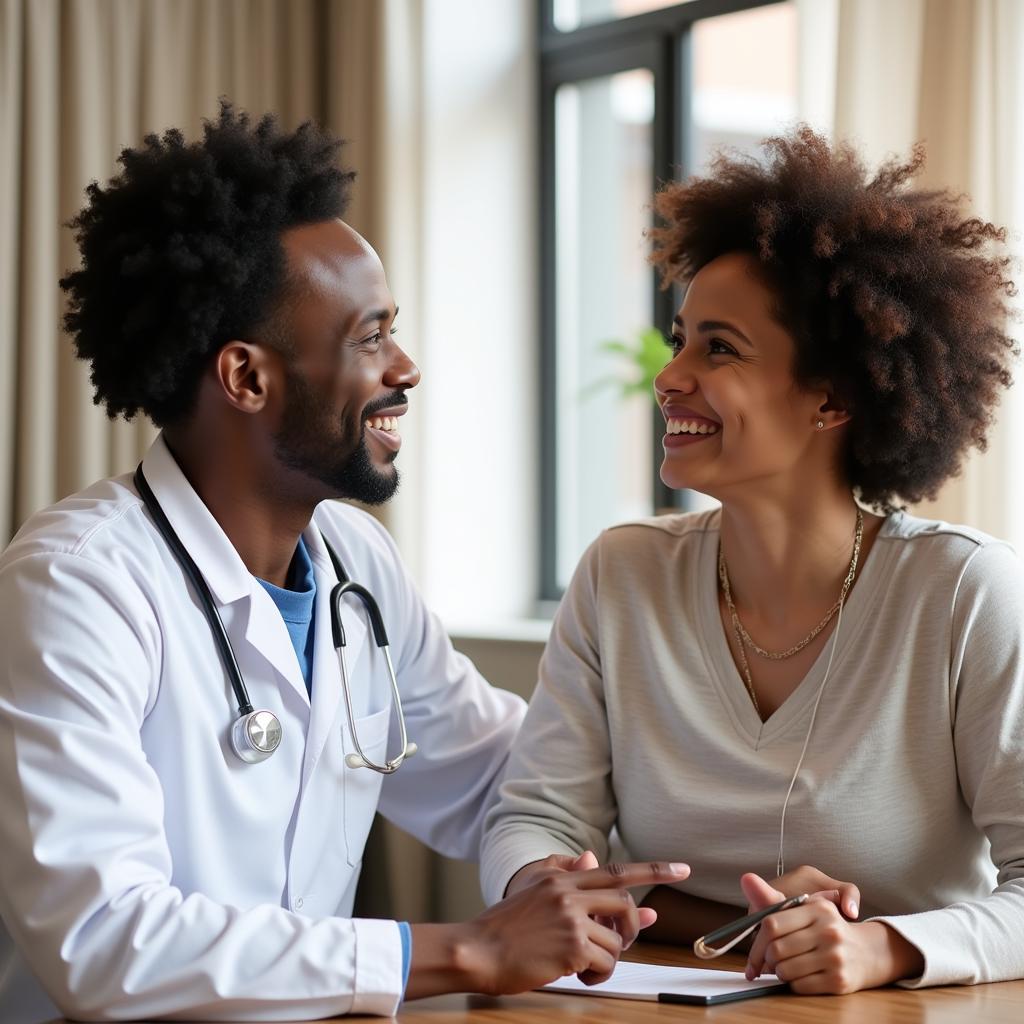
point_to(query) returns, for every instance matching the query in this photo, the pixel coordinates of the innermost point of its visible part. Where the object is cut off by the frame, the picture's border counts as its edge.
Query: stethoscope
(256, 733)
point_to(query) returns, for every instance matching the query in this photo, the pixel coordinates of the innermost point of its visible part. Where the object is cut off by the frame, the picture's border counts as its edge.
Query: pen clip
(736, 931)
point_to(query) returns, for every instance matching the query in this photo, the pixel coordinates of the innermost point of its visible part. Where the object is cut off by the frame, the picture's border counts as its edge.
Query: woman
(807, 676)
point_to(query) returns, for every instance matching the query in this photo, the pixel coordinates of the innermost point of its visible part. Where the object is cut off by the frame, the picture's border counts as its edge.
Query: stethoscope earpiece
(255, 736)
(358, 761)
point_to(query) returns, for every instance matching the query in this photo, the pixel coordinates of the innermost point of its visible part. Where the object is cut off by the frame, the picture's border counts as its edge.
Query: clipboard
(654, 983)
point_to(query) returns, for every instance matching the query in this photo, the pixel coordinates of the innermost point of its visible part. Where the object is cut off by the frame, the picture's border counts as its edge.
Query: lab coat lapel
(268, 635)
(222, 567)
(327, 685)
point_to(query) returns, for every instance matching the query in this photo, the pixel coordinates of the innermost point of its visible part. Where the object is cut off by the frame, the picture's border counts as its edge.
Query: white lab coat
(146, 872)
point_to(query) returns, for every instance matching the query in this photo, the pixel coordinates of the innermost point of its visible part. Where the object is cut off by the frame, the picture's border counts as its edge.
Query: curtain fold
(81, 80)
(951, 73)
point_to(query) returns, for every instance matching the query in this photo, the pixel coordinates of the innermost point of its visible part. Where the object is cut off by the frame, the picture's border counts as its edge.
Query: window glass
(571, 14)
(744, 79)
(603, 293)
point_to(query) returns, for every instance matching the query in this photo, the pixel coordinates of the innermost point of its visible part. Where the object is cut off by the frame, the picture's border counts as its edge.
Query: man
(164, 854)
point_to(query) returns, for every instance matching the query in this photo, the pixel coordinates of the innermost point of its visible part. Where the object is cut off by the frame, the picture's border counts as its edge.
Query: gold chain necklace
(744, 639)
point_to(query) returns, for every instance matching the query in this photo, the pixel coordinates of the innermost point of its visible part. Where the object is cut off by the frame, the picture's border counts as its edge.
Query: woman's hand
(818, 951)
(805, 879)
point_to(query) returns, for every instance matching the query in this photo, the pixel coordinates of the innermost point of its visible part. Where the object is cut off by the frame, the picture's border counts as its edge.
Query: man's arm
(86, 886)
(567, 922)
(463, 726)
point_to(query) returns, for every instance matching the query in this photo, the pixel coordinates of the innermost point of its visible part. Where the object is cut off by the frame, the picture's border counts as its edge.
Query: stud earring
(820, 424)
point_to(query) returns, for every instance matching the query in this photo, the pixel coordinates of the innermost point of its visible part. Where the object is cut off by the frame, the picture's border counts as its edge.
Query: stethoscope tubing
(191, 570)
(251, 751)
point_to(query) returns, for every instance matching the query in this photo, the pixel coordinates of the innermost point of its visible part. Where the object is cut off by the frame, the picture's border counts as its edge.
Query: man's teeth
(690, 427)
(389, 423)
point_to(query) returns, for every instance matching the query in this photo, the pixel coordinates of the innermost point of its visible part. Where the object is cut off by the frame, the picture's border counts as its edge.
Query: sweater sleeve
(980, 940)
(557, 795)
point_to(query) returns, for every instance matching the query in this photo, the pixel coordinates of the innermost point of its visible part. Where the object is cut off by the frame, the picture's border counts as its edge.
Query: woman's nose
(675, 376)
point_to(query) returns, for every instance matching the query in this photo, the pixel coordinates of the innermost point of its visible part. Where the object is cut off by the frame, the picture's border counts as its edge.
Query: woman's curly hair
(891, 294)
(181, 252)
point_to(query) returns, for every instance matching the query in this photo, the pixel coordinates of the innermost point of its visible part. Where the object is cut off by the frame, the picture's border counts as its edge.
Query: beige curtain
(950, 72)
(80, 80)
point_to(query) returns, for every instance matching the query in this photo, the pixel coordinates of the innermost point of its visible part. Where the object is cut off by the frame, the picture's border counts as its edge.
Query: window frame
(660, 42)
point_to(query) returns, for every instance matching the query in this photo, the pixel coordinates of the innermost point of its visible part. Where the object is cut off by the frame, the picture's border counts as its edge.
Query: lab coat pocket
(362, 785)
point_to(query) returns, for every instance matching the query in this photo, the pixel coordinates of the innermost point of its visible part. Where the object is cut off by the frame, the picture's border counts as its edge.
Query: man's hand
(556, 864)
(539, 933)
(559, 863)
(817, 950)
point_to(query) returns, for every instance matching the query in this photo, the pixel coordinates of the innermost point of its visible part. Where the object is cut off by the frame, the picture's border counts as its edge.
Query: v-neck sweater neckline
(718, 657)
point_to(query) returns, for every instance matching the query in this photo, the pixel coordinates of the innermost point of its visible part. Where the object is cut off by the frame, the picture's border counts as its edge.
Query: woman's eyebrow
(714, 325)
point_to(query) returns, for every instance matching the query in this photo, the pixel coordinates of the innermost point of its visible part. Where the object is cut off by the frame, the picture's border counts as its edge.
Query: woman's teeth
(388, 423)
(690, 427)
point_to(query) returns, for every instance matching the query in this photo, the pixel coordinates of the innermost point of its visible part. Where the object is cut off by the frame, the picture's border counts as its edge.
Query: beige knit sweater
(913, 783)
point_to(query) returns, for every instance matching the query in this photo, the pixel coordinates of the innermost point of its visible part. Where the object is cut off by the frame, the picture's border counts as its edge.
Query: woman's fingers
(778, 926)
(759, 893)
(849, 900)
(792, 947)
(809, 879)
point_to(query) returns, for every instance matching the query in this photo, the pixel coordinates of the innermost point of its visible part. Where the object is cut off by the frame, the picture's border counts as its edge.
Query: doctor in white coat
(148, 871)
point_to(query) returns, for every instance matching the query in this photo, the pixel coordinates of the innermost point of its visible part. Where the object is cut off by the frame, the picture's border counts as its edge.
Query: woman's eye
(716, 347)
(675, 343)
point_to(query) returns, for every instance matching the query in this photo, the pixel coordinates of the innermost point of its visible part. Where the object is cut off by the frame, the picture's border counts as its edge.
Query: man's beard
(306, 442)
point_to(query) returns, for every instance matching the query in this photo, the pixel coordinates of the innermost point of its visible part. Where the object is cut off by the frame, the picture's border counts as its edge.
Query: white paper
(646, 981)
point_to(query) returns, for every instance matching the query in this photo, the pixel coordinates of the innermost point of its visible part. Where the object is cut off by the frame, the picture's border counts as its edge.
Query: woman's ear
(830, 413)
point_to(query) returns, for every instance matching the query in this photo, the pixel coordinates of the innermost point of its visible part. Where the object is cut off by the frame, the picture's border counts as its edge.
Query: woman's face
(734, 414)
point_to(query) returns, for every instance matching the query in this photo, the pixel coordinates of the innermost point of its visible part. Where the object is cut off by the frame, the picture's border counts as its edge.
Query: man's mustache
(387, 402)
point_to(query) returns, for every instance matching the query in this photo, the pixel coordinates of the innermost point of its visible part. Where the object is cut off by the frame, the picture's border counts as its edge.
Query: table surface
(976, 1004)
(960, 1004)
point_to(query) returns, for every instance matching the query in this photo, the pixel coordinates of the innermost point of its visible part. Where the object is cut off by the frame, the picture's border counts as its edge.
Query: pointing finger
(624, 876)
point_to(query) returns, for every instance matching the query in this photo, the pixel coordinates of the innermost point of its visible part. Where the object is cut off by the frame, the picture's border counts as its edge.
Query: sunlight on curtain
(949, 72)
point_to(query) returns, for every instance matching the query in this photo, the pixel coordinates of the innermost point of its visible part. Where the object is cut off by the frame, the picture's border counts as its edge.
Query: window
(633, 92)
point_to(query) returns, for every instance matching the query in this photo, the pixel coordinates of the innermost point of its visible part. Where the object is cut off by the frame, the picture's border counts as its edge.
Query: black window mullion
(659, 41)
(608, 60)
(548, 574)
(663, 21)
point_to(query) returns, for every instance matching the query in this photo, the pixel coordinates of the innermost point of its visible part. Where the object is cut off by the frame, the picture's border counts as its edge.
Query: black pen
(739, 929)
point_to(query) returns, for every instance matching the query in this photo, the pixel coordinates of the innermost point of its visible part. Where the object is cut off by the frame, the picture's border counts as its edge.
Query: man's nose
(402, 372)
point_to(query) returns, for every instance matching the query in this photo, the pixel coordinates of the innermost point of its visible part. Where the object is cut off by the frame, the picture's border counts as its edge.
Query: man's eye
(375, 339)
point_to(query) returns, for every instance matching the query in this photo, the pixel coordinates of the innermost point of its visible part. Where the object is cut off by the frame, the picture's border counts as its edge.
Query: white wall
(465, 517)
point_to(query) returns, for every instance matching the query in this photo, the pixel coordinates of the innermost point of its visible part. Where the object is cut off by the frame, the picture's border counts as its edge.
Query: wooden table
(977, 1004)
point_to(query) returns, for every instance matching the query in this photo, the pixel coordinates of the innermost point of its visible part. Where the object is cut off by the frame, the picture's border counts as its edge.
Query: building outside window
(633, 92)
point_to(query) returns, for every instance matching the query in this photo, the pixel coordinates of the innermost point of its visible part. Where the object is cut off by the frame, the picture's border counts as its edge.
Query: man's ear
(244, 373)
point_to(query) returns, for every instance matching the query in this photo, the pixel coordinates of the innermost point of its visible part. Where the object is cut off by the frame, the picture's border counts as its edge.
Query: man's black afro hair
(181, 252)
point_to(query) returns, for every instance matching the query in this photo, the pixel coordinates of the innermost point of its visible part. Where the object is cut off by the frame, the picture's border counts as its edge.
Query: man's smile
(383, 427)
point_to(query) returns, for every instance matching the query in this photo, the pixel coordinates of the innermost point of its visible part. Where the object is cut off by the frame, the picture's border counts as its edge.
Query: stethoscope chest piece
(256, 733)
(255, 736)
